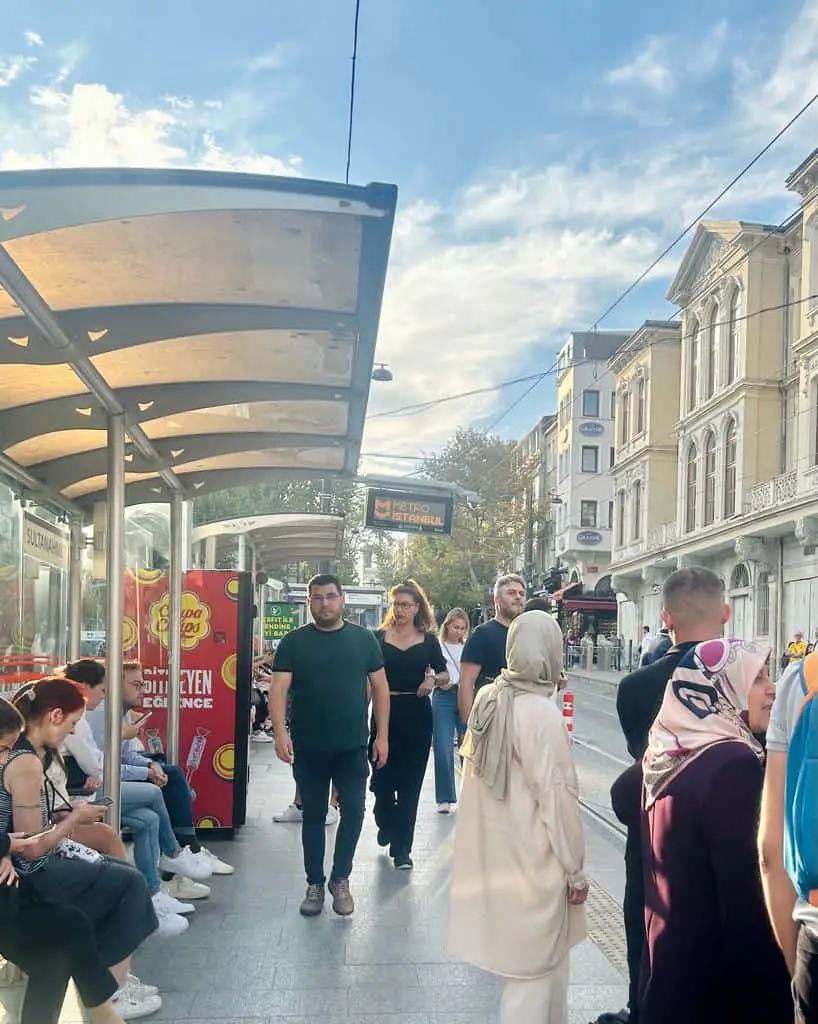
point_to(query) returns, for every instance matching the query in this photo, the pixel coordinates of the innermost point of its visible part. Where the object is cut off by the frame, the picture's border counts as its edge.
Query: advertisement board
(408, 513)
(279, 620)
(213, 667)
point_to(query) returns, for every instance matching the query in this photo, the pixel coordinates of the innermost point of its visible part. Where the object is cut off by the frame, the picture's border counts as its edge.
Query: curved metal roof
(280, 538)
(231, 317)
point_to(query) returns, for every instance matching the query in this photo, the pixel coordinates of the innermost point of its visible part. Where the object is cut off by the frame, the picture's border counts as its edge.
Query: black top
(405, 672)
(5, 844)
(486, 647)
(712, 954)
(640, 696)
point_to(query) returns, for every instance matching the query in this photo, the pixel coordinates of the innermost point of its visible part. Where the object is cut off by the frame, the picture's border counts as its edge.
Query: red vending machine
(217, 624)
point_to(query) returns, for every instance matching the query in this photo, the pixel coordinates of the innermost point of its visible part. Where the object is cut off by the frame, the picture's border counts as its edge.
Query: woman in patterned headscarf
(712, 954)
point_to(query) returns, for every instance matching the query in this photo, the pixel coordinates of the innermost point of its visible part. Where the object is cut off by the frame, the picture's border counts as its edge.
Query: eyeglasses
(403, 604)
(320, 598)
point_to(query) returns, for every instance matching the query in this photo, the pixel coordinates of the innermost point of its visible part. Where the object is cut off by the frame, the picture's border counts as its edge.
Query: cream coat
(514, 858)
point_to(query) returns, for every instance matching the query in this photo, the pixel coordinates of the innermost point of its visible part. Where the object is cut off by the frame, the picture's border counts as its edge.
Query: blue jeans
(145, 814)
(446, 725)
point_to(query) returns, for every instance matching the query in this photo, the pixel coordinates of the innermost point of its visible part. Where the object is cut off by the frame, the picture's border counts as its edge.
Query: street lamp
(382, 373)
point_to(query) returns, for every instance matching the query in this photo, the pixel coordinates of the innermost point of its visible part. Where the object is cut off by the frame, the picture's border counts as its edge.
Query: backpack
(801, 801)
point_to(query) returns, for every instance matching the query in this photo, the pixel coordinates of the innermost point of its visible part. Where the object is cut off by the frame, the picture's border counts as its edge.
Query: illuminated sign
(408, 513)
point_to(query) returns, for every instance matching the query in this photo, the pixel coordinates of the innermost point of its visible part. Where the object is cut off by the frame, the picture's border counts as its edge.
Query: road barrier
(568, 713)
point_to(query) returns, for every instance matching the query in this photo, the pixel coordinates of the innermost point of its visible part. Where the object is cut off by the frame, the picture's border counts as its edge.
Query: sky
(544, 154)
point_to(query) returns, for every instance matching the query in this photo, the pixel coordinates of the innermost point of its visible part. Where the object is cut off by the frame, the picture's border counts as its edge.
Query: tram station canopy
(231, 319)
(279, 538)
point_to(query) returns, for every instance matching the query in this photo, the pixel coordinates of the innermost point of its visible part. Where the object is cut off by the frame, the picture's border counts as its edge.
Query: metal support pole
(115, 574)
(242, 554)
(75, 591)
(175, 628)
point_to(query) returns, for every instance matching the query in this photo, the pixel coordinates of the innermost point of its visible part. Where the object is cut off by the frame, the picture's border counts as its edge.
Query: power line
(352, 87)
(515, 403)
(763, 152)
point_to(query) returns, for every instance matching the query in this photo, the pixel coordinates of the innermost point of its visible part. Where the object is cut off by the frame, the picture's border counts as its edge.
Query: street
(599, 752)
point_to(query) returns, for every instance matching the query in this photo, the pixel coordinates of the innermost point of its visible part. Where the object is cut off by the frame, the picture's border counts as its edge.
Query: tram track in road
(611, 824)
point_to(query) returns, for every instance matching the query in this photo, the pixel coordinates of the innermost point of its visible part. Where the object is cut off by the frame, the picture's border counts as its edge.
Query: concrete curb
(590, 678)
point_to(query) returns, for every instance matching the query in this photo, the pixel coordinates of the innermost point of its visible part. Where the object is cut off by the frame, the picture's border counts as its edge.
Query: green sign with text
(279, 620)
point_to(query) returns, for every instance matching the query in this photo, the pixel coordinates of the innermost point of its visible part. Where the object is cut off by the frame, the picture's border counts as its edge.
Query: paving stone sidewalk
(249, 957)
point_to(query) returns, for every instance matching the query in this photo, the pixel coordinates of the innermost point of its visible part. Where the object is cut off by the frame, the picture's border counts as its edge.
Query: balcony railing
(662, 536)
(780, 490)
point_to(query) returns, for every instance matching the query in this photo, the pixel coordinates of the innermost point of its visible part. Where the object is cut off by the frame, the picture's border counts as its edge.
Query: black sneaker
(383, 838)
(313, 902)
(403, 862)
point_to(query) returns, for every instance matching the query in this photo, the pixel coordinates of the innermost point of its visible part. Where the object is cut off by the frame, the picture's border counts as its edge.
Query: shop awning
(279, 538)
(231, 318)
(559, 595)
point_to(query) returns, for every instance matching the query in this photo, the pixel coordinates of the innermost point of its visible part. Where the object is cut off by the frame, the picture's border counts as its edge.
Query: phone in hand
(142, 718)
(103, 801)
(39, 832)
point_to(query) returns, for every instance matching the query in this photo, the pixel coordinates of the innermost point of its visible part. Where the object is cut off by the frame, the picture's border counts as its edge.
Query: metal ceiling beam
(35, 488)
(29, 300)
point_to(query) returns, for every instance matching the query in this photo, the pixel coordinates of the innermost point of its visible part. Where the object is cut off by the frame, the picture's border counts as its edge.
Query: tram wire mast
(352, 87)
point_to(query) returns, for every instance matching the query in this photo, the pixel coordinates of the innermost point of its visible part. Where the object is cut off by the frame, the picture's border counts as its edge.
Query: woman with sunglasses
(414, 666)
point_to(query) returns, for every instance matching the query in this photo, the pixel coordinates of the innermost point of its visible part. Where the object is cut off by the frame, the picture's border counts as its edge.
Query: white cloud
(649, 69)
(33, 38)
(11, 68)
(275, 59)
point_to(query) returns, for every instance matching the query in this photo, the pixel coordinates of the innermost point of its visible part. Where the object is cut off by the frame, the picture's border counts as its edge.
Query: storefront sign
(279, 620)
(408, 513)
(210, 637)
(45, 543)
(589, 537)
(591, 429)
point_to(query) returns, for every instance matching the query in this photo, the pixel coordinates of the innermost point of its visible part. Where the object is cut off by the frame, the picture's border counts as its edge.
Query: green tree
(487, 532)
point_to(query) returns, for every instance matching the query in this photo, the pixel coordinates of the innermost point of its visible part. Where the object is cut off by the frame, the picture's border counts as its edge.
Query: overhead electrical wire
(352, 81)
(747, 167)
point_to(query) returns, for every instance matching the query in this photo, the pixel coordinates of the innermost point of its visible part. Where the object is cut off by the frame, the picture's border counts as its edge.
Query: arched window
(690, 489)
(637, 510)
(693, 365)
(730, 459)
(740, 579)
(733, 335)
(710, 353)
(709, 479)
(763, 604)
(640, 406)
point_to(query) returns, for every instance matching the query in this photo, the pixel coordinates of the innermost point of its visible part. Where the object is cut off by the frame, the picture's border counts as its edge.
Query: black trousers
(805, 980)
(314, 771)
(51, 945)
(633, 910)
(398, 784)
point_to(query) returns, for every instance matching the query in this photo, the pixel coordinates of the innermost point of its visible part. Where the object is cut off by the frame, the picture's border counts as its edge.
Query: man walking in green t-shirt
(328, 668)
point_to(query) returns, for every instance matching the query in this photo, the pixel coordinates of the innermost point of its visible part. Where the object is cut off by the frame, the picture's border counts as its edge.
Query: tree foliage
(487, 532)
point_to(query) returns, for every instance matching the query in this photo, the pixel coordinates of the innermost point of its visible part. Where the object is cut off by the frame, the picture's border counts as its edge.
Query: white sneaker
(171, 904)
(131, 981)
(186, 863)
(170, 924)
(292, 816)
(217, 866)
(444, 808)
(130, 1004)
(333, 815)
(181, 888)
(262, 737)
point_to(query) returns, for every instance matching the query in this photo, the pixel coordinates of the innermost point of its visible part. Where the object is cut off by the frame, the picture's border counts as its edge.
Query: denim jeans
(805, 980)
(314, 770)
(446, 724)
(146, 795)
(179, 801)
(145, 814)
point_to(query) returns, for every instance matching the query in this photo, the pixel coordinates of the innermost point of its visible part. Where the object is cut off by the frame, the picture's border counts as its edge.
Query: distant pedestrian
(796, 649)
(518, 881)
(326, 665)
(658, 649)
(447, 726)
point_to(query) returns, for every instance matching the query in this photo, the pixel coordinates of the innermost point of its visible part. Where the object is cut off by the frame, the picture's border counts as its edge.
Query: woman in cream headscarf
(517, 878)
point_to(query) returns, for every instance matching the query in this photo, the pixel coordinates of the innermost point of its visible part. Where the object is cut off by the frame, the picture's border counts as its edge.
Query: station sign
(45, 542)
(591, 429)
(589, 537)
(408, 513)
(279, 620)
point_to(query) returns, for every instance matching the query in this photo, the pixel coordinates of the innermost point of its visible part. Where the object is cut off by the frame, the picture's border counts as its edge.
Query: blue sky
(544, 153)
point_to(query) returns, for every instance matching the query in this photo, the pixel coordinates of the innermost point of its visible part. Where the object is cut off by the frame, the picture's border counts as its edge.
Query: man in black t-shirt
(484, 655)
(327, 668)
(694, 610)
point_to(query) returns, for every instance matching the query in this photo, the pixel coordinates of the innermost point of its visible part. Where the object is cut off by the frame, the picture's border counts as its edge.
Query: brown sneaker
(313, 902)
(342, 901)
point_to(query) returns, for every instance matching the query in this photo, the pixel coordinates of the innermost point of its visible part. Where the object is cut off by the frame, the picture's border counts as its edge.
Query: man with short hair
(693, 610)
(329, 667)
(484, 655)
(796, 649)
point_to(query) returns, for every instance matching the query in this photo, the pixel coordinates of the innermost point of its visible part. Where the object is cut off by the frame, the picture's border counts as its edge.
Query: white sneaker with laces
(171, 904)
(130, 1004)
(170, 924)
(333, 814)
(444, 808)
(186, 863)
(131, 981)
(181, 888)
(262, 737)
(217, 866)
(292, 816)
